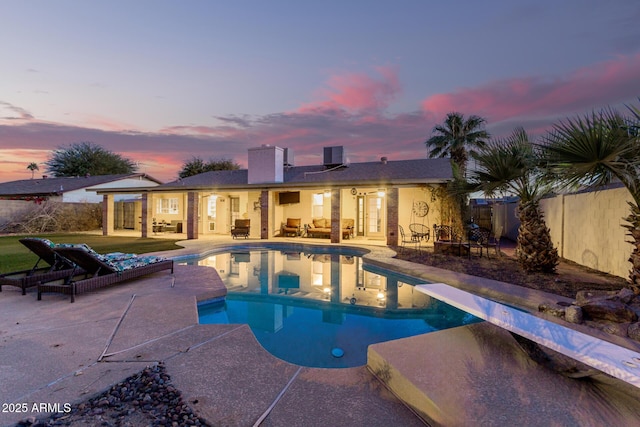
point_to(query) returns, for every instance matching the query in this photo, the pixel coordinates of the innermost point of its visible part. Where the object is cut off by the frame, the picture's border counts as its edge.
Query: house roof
(367, 173)
(56, 186)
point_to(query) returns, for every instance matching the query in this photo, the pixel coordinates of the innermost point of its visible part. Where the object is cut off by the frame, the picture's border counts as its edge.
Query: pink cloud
(108, 124)
(601, 84)
(358, 91)
(219, 131)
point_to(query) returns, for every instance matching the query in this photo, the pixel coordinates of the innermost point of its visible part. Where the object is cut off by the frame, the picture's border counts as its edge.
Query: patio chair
(476, 239)
(102, 270)
(241, 228)
(347, 228)
(404, 240)
(291, 227)
(493, 241)
(59, 267)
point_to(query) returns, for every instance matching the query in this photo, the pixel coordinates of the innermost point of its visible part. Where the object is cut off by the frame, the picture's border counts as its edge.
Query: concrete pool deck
(52, 351)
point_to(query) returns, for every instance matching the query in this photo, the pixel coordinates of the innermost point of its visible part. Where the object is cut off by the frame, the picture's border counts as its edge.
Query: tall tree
(33, 167)
(86, 158)
(595, 150)
(511, 166)
(457, 138)
(197, 166)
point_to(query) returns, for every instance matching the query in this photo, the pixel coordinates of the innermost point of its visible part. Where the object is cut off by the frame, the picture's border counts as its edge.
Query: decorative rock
(633, 331)
(573, 314)
(626, 295)
(635, 306)
(613, 328)
(552, 309)
(584, 297)
(614, 311)
(147, 397)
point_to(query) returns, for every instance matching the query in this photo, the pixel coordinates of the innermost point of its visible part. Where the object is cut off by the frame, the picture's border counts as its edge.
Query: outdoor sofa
(321, 227)
(59, 267)
(102, 270)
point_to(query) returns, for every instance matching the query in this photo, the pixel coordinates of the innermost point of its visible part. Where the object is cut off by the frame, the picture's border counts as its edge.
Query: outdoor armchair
(291, 227)
(241, 228)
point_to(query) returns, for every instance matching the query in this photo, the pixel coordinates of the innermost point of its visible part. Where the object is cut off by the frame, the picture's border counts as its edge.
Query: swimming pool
(321, 306)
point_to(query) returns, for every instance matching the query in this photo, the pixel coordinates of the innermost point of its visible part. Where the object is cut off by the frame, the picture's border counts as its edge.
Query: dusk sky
(162, 81)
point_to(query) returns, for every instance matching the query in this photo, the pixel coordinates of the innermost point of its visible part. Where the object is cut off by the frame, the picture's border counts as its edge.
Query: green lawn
(14, 256)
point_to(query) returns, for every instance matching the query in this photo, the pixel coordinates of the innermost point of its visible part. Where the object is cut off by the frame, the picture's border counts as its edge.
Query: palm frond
(508, 165)
(593, 151)
(457, 138)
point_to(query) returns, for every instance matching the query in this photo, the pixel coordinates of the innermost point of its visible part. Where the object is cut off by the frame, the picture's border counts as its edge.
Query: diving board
(604, 356)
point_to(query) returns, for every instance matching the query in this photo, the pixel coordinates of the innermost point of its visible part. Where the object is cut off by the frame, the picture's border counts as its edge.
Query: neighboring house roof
(57, 186)
(367, 173)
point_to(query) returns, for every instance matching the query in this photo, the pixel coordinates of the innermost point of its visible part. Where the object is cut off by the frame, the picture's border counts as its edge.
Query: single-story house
(376, 197)
(15, 196)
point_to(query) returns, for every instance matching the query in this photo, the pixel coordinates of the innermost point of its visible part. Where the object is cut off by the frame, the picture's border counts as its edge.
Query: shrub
(49, 217)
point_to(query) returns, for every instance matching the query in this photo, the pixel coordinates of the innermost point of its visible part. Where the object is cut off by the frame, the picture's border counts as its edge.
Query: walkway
(53, 351)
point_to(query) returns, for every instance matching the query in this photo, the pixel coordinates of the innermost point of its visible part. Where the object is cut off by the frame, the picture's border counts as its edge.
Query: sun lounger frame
(60, 268)
(99, 274)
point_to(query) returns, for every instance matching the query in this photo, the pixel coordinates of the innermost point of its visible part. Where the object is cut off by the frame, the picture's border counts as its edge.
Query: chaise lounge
(59, 267)
(102, 270)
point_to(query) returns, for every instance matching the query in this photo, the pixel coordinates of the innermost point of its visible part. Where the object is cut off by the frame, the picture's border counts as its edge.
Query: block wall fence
(587, 228)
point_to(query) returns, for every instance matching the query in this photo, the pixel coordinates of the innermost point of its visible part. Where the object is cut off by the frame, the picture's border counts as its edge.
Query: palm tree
(511, 166)
(595, 150)
(455, 136)
(33, 167)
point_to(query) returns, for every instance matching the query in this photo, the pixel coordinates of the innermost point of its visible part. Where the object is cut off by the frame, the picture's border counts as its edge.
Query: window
(167, 206)
(235, 208)
(212, 207)
(316, 273)
(317, 205)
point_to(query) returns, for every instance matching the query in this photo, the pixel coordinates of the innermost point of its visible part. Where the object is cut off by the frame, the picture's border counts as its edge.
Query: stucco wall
(84, 196)
(10, 209)
(406, 199)
(587, 229)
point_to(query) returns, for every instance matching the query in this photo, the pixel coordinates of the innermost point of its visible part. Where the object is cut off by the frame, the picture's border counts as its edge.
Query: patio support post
(392, 216)
(192, 214)
(107, 214)
(264, 214)
(335, 278)
(147, 213)
(335, 215)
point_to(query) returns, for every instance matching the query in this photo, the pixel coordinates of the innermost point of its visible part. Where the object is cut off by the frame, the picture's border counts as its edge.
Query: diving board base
(478, 375)
(604, 356)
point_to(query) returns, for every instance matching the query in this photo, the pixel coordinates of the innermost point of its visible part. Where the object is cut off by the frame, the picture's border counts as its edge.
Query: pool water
(321, 307)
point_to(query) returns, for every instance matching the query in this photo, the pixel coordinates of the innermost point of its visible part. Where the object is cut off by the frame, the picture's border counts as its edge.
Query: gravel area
(144, 399)
(569, 278)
